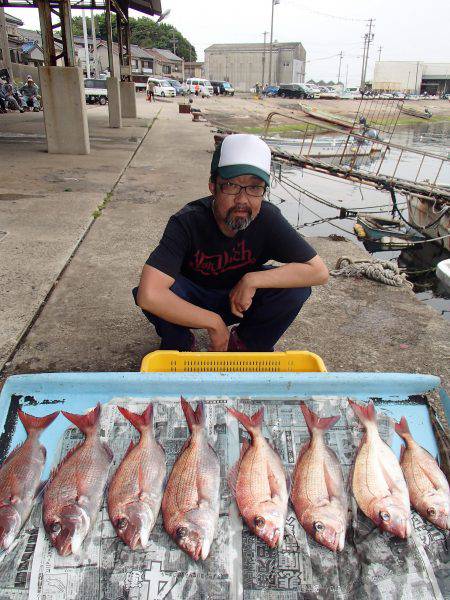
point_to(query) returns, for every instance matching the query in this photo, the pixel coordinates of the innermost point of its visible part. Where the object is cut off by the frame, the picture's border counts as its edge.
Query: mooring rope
(379, 270)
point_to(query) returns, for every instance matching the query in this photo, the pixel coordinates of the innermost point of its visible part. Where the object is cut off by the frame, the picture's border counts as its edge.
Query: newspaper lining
(372, 564)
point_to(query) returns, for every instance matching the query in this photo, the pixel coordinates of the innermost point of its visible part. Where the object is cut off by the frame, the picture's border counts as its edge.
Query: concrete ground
(66, 300)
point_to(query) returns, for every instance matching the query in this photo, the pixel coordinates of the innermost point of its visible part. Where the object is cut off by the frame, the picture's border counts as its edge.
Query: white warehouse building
(244, 65)
(412, 76)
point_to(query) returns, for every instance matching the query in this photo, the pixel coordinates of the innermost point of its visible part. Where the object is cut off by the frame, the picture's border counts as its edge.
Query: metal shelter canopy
(148, 7)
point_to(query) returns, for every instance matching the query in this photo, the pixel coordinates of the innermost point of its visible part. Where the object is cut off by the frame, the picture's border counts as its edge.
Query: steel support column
(109, 38)
(48, 40)
(66, 33)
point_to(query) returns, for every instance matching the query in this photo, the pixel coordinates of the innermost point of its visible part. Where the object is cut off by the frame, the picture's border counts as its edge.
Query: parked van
(162, 87)
(95, 91)
(203, 83)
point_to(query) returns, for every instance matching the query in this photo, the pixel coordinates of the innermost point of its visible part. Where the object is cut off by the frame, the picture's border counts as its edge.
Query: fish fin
(234, 471)
(55, 470)
(313, 421)
(334, 482)
(274, 484)
(251, 424)
(402, 428)
(108, 451)
(11, 454)
(139, 421)
(195, 418)
(366, 414)
(129, 449)
(87, 423)
(389, 479)
(36, 423)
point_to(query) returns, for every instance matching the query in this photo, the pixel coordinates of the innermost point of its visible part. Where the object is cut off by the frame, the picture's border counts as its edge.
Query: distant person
(257, 89)
(209, 270)
(12, 99)
(151, 91)
(196, 89)
(30, 96)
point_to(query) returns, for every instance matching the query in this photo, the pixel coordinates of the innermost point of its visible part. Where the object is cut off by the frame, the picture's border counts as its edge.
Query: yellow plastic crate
(295, 361)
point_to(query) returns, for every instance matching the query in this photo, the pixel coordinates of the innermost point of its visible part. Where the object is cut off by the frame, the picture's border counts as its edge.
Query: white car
(95, 91)
(162, 88)
(350, 94)
(205, 87)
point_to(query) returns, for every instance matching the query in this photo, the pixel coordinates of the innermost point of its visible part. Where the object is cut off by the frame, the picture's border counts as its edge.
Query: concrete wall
(398, 75)
(21, 72)
(243, 67)
(438, 70)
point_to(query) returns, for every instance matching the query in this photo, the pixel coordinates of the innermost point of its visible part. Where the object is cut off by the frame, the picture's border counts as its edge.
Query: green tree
(144, 33)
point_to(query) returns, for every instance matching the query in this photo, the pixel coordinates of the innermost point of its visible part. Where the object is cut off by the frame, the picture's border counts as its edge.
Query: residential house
(194, 69)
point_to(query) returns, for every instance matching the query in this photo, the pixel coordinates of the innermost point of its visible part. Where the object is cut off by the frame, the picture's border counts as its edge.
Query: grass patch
(98, 211)
(284, 128)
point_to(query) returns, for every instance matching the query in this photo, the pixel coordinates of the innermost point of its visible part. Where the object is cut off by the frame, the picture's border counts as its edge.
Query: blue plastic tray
(396, 393)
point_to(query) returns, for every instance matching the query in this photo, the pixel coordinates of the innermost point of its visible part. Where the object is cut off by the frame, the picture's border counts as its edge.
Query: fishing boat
(325, 147)
(385, 232)
(415, 111)
(443, 273)
(431, 216)
(329, 117)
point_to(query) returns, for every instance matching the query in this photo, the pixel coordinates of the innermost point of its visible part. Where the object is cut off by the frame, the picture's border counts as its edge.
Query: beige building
(412, 76)
(244, 65)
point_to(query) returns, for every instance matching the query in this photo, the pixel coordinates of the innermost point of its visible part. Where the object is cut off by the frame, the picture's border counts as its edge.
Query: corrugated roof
(258, 46)
(13, 19)
(168, 54)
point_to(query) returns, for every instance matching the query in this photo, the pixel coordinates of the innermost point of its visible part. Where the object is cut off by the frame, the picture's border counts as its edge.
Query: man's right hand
(218, 336)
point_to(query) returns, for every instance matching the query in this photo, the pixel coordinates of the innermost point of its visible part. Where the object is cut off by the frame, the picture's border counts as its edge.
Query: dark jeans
(271, 313)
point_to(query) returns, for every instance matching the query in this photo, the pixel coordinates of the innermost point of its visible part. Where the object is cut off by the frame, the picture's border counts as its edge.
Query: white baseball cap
(242, 154)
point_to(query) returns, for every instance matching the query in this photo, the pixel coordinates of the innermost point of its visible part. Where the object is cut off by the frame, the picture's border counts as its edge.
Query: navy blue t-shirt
(193, 245)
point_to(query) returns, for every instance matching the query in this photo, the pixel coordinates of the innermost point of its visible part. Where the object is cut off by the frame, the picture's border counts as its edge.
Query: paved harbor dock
(65, 298)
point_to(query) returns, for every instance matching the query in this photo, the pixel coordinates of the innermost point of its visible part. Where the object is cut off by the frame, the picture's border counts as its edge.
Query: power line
(323, 14)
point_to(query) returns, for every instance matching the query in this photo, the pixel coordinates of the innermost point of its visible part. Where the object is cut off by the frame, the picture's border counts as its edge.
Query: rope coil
(383, 271)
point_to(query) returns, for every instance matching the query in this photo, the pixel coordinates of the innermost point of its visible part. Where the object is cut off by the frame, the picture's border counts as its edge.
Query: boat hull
(424, 214)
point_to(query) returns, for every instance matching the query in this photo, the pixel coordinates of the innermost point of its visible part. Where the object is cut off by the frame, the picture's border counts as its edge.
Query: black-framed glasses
(234, 189)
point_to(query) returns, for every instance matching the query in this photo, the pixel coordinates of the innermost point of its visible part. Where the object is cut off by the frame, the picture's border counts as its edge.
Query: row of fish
(382, 487)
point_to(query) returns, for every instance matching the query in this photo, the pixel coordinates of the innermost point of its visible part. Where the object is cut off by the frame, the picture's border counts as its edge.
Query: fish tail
(366, 414)
(402, 428)
(36, 423)
(140, 421)
(195, 418)
(252, 423)
(86, 423)
(313, 421)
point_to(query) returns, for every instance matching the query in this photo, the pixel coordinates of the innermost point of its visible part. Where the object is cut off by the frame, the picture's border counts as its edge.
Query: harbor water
(291, 186)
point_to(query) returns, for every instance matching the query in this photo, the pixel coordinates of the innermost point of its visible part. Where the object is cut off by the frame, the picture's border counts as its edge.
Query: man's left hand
(241, 296)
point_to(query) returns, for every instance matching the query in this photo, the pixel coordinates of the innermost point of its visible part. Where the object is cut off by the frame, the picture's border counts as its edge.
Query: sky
(405, 30)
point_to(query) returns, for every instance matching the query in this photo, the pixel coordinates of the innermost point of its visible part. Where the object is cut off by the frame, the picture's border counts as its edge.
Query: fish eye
(121, 523)
(384, 516)
(259, 522)
(431, 512)
(318, 526)
(55, 527)
(181, 532)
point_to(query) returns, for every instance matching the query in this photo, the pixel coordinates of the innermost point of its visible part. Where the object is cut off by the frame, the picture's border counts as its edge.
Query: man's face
(236, 212)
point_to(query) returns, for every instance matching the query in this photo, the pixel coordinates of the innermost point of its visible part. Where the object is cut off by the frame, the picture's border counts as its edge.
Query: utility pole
(368, 38)
(341, 56)
(379, 53)
(4, 46)
(94, 45)
(264, 59)
(174, 42)
(271, 42)
(86, 46)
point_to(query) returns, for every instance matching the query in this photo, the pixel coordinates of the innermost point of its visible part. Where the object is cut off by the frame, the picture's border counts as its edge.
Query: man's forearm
(288, 276)
(170, 307)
